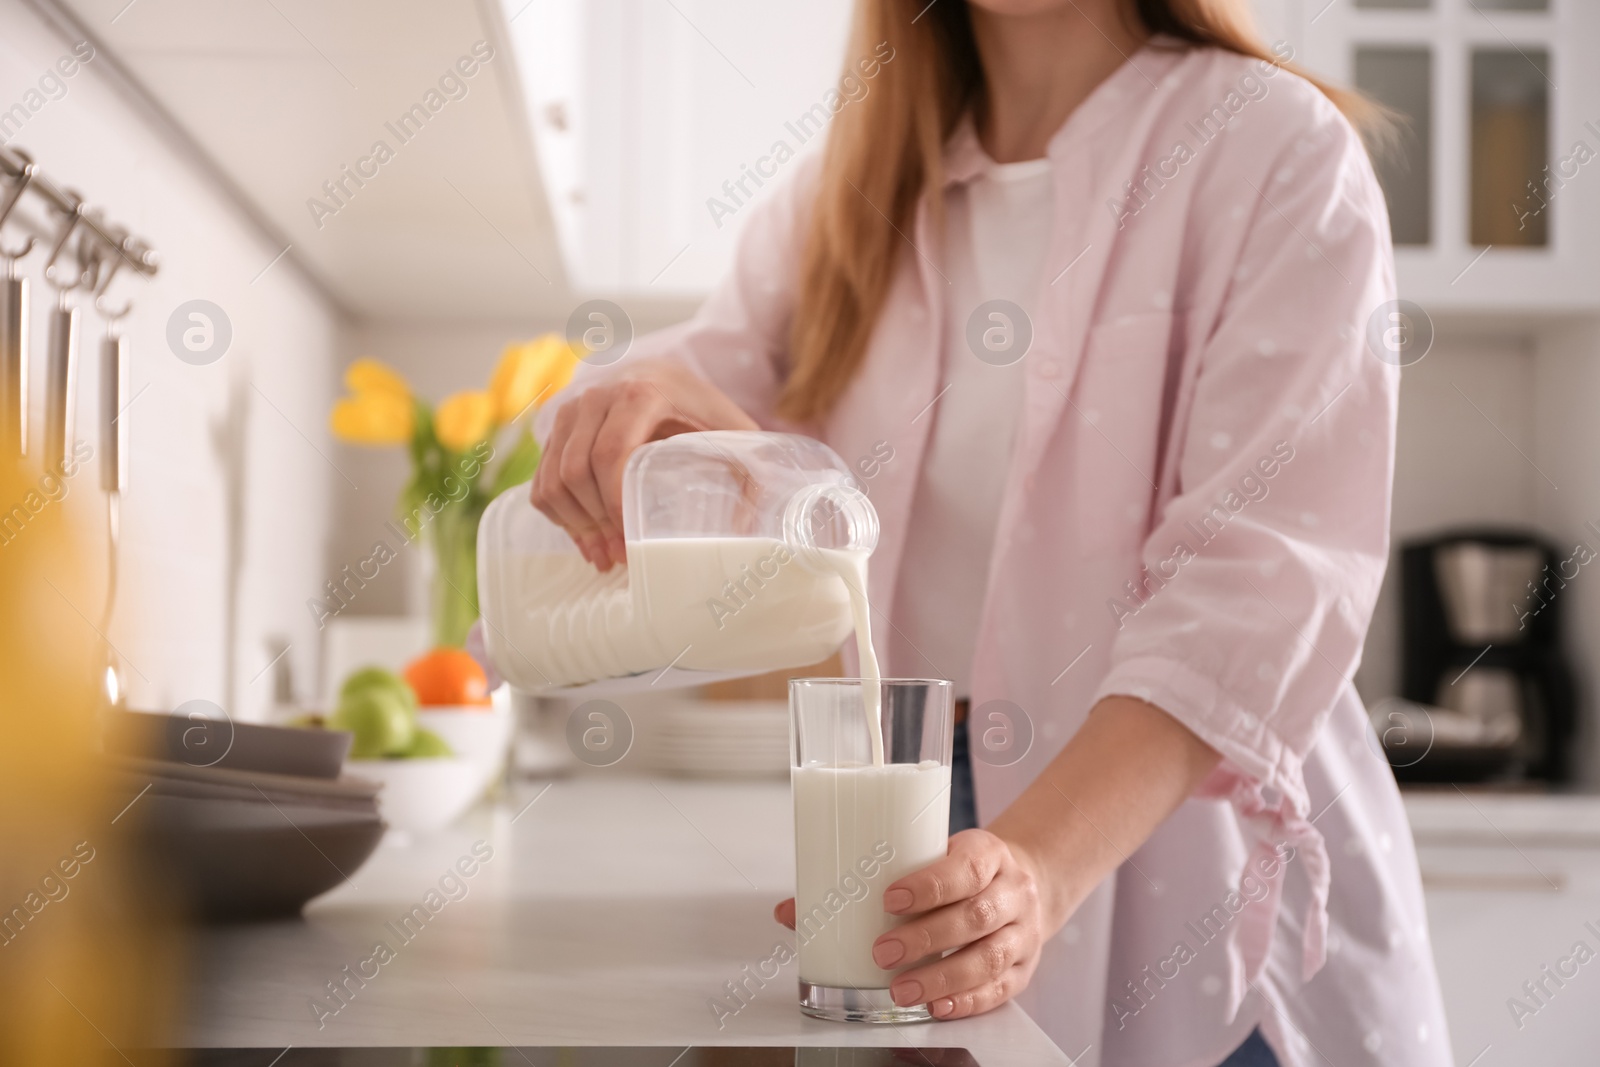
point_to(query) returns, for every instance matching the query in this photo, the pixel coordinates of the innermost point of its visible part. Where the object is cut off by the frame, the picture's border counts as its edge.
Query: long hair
(885, 151)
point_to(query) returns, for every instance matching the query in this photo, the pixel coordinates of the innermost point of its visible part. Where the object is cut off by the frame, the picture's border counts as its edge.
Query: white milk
(852, 570)
(857, 830)
(726, 604)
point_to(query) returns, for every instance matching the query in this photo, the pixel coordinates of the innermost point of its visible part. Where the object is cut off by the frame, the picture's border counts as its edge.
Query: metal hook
(105, 249)
(73, 218)
(105, 270)
(21, 186)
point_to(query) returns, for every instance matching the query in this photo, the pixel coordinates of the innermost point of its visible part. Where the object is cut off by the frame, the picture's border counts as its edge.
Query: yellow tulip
(531, 373)
(464, 419)
(367, 375)
(373, 418)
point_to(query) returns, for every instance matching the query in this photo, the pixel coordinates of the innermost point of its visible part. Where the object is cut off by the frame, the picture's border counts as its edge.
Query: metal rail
(16, 167)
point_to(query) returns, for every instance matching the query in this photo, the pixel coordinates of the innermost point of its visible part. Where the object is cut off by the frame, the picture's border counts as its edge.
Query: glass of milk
(861, 821)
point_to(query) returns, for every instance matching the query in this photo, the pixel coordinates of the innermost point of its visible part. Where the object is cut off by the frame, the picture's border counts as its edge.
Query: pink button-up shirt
(1196, 513)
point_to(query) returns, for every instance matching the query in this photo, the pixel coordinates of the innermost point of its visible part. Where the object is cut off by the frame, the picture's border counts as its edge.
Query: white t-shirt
(996, 229)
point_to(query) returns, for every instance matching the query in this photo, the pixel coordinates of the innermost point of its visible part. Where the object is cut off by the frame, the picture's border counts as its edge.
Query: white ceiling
(280, 94)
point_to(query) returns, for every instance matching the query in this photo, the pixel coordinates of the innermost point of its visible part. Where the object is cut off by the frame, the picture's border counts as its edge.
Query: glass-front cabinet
(1491, 167)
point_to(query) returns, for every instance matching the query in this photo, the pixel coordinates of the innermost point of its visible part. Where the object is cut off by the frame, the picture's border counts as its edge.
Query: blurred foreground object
(87, 966)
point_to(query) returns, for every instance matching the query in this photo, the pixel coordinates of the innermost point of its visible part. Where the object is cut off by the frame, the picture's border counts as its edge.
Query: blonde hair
(886, 150)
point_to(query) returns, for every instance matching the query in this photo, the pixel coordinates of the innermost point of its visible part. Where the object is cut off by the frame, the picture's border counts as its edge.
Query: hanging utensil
(61, 381)
(14, 332)
(13, 363)
(113, 427)
(104, 261)
(61, 364)
(113, 378)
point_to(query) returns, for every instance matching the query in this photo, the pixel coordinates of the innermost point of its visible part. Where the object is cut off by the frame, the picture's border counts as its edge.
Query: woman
(1138, 508)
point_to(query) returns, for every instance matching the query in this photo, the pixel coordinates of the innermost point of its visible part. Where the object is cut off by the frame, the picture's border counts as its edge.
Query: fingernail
(888, 953)
(896, 900)
(942, 1007)
(907, 993)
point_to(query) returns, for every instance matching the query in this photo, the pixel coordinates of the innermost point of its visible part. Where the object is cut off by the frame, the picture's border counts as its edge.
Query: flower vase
(453, 535)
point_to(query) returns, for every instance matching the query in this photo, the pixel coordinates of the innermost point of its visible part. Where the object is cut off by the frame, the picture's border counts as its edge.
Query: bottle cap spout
(829, 516)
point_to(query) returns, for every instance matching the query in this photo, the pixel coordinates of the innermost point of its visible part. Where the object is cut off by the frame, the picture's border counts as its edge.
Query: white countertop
(613, 911)
(1467, 815)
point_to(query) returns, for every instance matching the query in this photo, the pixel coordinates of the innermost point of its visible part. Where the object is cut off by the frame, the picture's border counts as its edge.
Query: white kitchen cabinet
(1513, 888)
(648, 114)
(1494, 88)
(651, 119)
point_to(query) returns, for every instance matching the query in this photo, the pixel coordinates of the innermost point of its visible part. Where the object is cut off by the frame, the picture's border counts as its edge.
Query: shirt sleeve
(1260, 575)
(738, 340)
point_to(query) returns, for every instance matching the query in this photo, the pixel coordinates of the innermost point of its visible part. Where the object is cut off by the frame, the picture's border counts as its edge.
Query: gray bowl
(241, 746)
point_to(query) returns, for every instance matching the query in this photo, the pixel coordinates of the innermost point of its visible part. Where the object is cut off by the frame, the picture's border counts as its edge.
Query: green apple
(428, 745)
(382, 723)
(370, 678)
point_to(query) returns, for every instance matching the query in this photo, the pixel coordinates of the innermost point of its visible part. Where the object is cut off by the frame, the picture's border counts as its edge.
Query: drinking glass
(859, 827)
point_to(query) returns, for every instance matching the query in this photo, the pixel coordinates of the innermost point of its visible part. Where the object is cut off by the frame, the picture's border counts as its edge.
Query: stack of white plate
(724, 739)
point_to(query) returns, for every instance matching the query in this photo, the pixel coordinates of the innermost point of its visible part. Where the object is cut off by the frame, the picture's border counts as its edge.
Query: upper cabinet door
(657, 123)
(1493, 203)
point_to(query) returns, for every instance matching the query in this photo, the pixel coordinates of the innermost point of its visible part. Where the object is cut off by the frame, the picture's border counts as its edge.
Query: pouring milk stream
(853, 572)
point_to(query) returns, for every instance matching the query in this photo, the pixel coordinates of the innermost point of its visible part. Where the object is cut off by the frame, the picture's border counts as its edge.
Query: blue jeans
(1253, 1053)
(963, 801)
(964, 816)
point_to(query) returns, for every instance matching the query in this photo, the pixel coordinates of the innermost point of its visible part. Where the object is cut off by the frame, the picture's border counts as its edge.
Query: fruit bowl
(432, 760)
(421, 795)
(477, 733)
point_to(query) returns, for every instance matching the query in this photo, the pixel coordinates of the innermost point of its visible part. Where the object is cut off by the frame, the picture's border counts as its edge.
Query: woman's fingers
(971, 864)
(980, 901)
(980, 904)
(949, 927)
(977, 1001)
(982, 963)
(629, 423)
(576, 468)
(575, 465)
(550, 494)
(578, 484)
(550, 454)
(561, 508)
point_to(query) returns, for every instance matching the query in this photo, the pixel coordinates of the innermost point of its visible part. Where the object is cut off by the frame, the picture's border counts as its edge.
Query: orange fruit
(447, 676)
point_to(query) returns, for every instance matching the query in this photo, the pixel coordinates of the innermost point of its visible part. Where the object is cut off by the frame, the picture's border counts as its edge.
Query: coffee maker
(1488, 692)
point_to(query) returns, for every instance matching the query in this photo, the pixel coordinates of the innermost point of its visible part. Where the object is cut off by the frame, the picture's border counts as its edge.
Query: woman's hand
(579, 481)
(997, 896)
(983, 899)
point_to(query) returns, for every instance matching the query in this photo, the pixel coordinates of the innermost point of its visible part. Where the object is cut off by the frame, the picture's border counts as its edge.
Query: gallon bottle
(746, 553)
